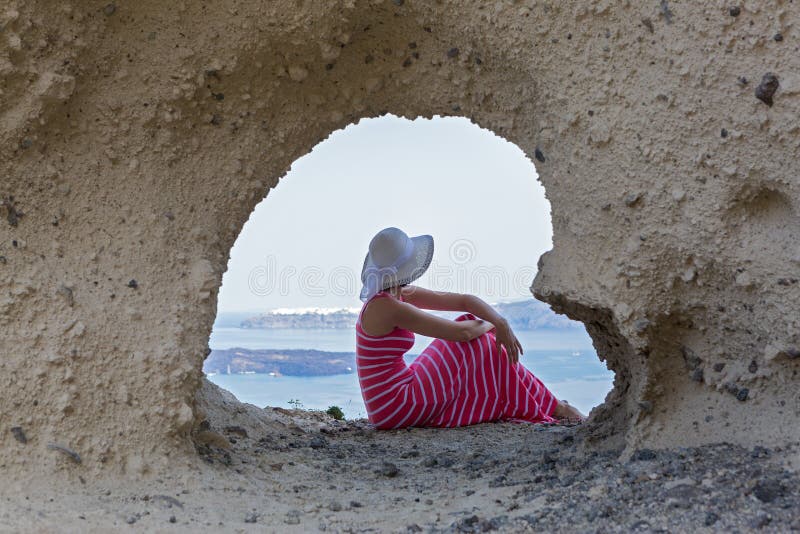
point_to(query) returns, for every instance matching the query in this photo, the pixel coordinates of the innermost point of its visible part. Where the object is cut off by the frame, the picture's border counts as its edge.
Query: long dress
(451, 383)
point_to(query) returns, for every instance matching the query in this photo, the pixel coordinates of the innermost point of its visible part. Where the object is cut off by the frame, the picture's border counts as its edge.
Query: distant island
(528, 314)
(294, 362)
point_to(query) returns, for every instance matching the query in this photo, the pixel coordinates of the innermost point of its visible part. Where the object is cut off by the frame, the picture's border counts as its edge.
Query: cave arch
(134, 153)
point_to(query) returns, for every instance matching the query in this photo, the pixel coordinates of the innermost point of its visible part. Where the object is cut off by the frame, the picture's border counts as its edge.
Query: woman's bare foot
(565, 411)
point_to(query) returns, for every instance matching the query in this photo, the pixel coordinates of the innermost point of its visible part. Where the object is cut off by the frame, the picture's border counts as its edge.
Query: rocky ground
(277, 470)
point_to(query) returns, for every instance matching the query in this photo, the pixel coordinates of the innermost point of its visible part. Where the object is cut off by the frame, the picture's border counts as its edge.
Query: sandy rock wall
(135, 139)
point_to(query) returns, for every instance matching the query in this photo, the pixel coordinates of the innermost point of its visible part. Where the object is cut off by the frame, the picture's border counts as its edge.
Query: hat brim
(411, 270)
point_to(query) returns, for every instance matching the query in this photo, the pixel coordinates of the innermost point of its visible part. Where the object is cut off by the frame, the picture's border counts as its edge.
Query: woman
(469, 374)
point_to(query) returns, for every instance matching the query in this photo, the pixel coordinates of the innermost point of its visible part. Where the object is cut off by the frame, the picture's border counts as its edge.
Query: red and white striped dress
(451, 383)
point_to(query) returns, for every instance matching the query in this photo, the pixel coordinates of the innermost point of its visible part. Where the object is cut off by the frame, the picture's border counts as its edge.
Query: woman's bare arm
(441, 300)
(444, 301)
(392, 312)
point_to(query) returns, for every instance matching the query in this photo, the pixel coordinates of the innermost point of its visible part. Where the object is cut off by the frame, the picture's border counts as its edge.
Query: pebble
(697, 375)
(753, 367)
(292, 517)
(133, 284)
(452, 53)
(741, 395)
(643, 455)
(767, 490)
(335, 506)
(761, 520)
(778, 37)
(236, 429)
(735, 11)
(19, 434)
(252, 517)
(539, 155)
(110, 9)
(388, 469)
(318, 442)
(710, 519)
(74, 456)
(666, 11)
(632, 199)
(172, 519)
(766, 89)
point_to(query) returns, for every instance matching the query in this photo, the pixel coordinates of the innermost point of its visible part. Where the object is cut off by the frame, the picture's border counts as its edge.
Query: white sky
(474, 192)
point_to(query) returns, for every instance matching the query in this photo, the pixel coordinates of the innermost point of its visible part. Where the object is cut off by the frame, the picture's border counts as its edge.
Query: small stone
(133, 284)
(742, 394)
(723, 133)
(641, 325)
(318, 442)
(131, 519)
(761, 520)
(690, 358)
(19, 434)
(110, 9)
(388, 469)
(768, 490)
(236, 429)
(649, 25)
(735, 11)
(632, 199)
(172, 519)
(398, 2)
(413, 527)
(252, 517)
(792, 353)
(666, 11)
(539, 155)
(697, 375)
(355, 504)
(335, 506)
(753, 367)
(72, 455)
(710, 519)
(766, 89)
(718, 367)
(452, 53)
(292, 517)
(731, 388)
(643, 455)
(645, 406)
(778, 37)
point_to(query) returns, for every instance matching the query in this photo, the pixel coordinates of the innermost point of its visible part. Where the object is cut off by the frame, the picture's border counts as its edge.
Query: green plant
(296, 404)
(335, 412)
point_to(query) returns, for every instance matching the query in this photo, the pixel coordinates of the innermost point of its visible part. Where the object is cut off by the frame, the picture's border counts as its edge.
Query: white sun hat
(394, 259)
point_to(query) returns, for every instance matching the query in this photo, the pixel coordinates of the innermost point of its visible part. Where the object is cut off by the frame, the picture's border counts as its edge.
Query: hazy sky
(475, 193)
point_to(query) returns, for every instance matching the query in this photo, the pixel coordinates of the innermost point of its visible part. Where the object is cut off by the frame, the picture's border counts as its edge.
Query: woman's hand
(506, 338)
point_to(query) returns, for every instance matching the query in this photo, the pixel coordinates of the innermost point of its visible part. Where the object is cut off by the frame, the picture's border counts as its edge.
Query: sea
(563, 359)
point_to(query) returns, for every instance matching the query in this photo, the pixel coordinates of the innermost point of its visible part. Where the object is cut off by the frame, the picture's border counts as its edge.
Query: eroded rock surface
(135, 139)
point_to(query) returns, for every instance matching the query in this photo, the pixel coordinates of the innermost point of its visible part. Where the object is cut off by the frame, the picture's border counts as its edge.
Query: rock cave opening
(284, 335)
